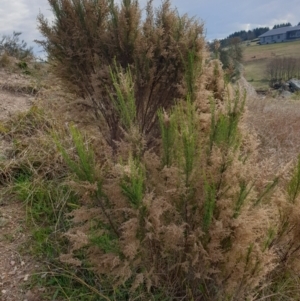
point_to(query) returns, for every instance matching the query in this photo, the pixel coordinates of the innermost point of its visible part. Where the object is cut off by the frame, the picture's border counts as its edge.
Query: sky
(221, 18)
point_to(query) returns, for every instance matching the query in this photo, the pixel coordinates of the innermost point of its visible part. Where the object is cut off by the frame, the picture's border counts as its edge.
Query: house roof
(294, 28)
(275, 31)
(279, 31)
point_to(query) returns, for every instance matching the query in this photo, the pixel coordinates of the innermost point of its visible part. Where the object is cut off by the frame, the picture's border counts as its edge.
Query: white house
(282, 34)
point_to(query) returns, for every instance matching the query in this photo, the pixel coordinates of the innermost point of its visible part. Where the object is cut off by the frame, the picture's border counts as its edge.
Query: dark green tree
(245, 35)
(282, 25)
(235, 49)
(231, 56)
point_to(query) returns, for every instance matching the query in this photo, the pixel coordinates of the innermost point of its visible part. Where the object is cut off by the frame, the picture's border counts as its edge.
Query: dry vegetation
(276, 121)
(139, 185)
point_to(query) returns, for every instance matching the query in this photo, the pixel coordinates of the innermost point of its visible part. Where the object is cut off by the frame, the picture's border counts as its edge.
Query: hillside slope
(257, 57)
(16, 266)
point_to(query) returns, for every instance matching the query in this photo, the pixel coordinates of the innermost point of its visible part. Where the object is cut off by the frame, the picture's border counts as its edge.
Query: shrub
(231, 57)
(4, 60)
(193, 217)
(12, 46)
(88, 36)
(191, 223)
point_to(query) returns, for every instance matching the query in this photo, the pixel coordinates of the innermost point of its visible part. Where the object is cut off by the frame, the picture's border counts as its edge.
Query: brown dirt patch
(15, 268)
(12, 103)
(12, 97)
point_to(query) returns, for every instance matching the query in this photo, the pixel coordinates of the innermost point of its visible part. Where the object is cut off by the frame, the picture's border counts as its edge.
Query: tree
(245, 35)
(282, 25)
(235, 49)
(230, 55)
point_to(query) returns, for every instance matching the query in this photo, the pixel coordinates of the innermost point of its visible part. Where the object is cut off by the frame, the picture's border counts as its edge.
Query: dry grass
(4, 60)
(277, 123)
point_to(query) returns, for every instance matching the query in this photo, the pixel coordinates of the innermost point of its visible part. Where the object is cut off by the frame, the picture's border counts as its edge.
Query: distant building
(282, 34)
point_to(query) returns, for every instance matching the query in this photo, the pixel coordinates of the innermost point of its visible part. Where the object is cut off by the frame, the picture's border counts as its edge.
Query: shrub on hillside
(195, 221)
(13, 46)
(159, 50)
(192, 218)
(4, 60)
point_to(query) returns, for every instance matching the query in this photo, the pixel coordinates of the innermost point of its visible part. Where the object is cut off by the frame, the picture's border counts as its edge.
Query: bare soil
(15, 267)
(12, 98)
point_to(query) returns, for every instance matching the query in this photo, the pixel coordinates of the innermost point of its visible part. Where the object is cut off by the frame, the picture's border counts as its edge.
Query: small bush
(4, 60)
(13, 46)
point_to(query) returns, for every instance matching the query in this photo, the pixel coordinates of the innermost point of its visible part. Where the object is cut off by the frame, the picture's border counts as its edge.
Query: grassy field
(256, 58)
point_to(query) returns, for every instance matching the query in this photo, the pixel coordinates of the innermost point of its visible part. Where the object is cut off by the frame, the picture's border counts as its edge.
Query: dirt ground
(15, 268)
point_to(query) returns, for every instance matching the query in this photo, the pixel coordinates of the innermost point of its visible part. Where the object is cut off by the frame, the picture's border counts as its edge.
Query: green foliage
(236, 50)
(124, 101)
(209, 205)
(167, 128)
(243, 194)
(179, 132)
(224, 58)
(293, 187)
(270, 238)
(132, 184)
(193, 70)
(84, 166)
(106, 243)
(224, 128)
(66, 284)
(24, 67)
(44, 244)
(231, 57)
(187, 148)
(268, 189)
(45, 204)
